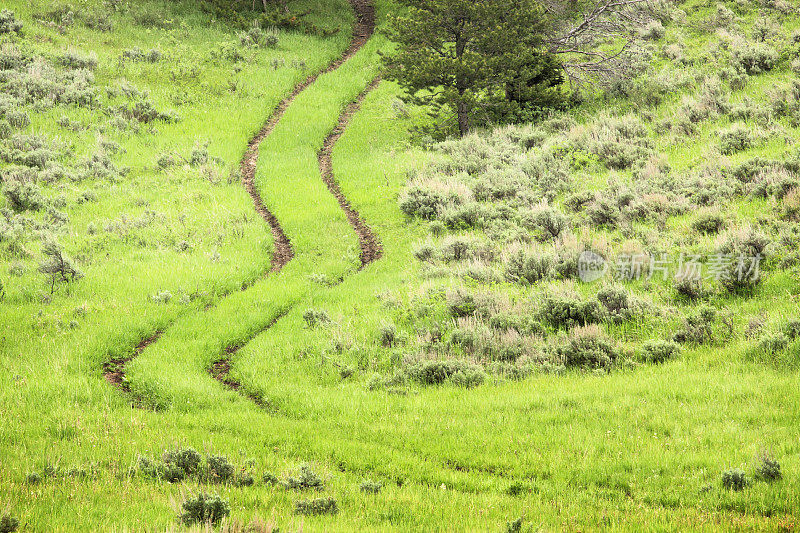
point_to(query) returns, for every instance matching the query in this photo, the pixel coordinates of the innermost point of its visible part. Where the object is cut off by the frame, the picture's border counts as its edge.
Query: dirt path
(114, 369)
(370, 246)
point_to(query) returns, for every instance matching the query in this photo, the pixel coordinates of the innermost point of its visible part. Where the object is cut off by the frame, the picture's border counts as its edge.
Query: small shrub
(371, 487)
(316, 317)
(23, 195)
(269, 479)
(318, 506)
(9, 22)
(768, 469)
(587, 348)
(754, 57)
(709, 223)
(527, 267)
(74, 60)
(460, 302)
(204, 509)
(603, 213)
(421, 203)
(18, 119)
(515, 526)
(57, 265)
(8, 524)
(388, 335)
(659, 351)
(735, 139)
(773, 343)
(468, 377)
(564, 312)
(689, 287)
(182, 461)
(305, 480)
(699, 326)
(734, 479)
(550, 222)
(653, 31)
(219, 470)
(438, 372)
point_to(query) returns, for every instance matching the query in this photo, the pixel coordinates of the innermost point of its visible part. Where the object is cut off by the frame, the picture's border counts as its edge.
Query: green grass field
(153, 214)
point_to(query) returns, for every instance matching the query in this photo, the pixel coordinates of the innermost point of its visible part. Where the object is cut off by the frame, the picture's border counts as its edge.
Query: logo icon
(591, 266)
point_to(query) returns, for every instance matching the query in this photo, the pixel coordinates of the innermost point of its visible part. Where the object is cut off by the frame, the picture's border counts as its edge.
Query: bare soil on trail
(371, 248)
(114, 369)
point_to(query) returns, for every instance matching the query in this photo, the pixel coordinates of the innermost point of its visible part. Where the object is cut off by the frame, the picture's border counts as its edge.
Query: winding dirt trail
(114, 369)
(371, 248)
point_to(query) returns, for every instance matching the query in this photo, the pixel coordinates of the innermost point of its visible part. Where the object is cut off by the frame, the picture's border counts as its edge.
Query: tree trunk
(463, 118)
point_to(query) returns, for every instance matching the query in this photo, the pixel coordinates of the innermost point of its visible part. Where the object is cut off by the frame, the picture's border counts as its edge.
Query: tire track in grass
(370, 247)
(114, 369)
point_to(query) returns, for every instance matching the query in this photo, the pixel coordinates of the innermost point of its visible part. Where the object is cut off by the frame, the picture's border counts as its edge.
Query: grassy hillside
(469, 377)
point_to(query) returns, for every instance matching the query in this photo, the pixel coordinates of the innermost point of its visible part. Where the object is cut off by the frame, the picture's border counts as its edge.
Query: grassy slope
(615, 451)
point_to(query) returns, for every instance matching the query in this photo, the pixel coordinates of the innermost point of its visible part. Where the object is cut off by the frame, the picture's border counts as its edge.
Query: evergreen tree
(471, 54)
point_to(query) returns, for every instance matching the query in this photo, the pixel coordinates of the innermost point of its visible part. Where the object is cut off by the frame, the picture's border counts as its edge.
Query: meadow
(466, 379)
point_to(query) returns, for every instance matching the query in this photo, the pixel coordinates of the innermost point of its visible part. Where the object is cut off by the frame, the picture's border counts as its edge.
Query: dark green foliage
(493, 53)
(659, 351)
(257, 37)
(438, 372)
(33, 478)
(709, 223)
(9, 23)
(550, 222)
(204, 509)
(388, 335)
(587, 348)
(746, 249)
(735, 139)
(421, 203)
(734, 479)
(219, 470)
(564, 312)
(528, 267)
(371, 487)
(772, 343)
(138, 55)
(515, 526)
(316, 317)
(616, 301)
(305, 480)
(754, 57)
(23, 195)
(269, 479)
(698, 326)
(689, 287)
(317, 506)
(180, 463)
(460, 302)
(8, 524)
(768, 469)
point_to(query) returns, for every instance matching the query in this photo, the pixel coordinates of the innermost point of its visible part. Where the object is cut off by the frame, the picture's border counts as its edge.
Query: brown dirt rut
(362, 31)
(114, 369)
(371, 248)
